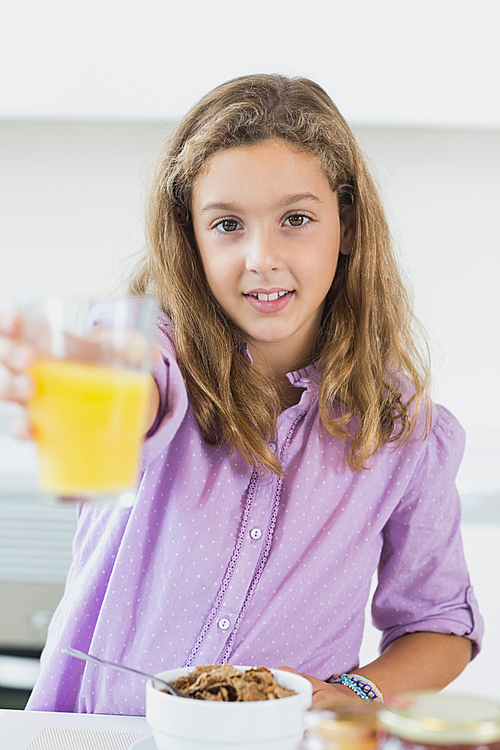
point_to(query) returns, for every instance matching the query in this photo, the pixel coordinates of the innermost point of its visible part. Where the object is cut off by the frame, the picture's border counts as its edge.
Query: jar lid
(442, 718)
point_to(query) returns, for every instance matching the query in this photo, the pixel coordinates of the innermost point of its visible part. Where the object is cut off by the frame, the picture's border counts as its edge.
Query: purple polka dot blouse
(216, 563)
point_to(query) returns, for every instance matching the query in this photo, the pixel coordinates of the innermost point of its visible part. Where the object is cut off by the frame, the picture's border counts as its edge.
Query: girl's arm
(419, 661)
(416, 661)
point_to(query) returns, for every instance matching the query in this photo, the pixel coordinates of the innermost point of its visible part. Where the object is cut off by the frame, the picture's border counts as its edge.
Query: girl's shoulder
(443, 422)
(435, 448)
(434, 429)
(429, 417)
(446, 434)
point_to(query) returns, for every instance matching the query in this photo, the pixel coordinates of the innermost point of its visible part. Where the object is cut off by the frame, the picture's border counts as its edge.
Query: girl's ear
(347, 228)
(182, 214)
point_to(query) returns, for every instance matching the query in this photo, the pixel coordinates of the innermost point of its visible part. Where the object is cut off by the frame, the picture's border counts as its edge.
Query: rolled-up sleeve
(423, 578)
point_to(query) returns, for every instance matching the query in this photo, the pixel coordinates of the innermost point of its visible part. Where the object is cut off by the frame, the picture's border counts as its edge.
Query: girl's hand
(324, 691)
(16, 357)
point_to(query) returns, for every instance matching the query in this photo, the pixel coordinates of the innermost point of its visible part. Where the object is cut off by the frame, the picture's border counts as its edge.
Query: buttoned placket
(252, 547)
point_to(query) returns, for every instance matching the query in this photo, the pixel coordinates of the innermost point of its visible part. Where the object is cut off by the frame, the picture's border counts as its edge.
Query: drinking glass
(92, 394)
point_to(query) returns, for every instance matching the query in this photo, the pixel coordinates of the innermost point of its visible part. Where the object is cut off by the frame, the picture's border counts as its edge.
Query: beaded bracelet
(362, 686)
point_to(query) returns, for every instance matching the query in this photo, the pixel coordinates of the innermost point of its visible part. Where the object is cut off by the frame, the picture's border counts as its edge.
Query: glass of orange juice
(92, 394)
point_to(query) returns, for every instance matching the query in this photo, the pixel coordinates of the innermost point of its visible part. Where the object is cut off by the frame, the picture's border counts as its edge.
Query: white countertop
(45, 730)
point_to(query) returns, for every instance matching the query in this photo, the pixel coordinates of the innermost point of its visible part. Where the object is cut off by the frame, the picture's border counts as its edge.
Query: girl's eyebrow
(216, 206)
(297, 198)
(281, 203)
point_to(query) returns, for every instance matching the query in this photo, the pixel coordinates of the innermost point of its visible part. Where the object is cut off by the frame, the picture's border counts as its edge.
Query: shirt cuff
(466, 622)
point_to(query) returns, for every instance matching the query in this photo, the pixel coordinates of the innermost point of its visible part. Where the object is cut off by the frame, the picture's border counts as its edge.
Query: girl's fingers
(22, 429)
(16, 354)
(21, 338)
(324, 691)
(16, 388)
(10, 323)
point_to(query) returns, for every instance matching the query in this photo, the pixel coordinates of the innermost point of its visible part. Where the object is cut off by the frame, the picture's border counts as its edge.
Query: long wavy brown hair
(373, 378)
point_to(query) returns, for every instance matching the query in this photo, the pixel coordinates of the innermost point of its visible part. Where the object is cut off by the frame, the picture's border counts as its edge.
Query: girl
(293, 449)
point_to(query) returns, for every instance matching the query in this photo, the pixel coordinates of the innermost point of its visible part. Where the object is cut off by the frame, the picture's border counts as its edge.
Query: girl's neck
(276, 368)
(289, 395)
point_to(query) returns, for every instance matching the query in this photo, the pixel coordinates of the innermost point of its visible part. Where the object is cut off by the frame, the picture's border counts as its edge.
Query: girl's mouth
(269, 303)
(268, 297)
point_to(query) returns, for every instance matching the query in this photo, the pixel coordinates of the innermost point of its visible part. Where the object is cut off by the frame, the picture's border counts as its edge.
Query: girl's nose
(263, 255)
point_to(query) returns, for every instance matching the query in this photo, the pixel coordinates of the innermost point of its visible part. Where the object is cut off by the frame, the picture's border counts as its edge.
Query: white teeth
(269, 297)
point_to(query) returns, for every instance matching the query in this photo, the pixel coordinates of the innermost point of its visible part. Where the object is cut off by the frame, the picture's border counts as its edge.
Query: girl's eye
(297, 220)
(227, 225)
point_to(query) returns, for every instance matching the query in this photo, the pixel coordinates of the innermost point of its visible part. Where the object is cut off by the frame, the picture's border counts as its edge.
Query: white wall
(71, 203)
(442, 191)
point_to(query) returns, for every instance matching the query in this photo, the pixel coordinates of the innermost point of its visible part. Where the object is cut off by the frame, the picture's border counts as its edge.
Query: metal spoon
(157, 682)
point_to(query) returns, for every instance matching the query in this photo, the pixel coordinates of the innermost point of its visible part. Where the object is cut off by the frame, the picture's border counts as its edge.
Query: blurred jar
(430, 721)
(331, 726)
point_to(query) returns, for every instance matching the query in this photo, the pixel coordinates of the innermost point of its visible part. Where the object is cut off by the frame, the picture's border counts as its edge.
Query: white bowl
(189, 724)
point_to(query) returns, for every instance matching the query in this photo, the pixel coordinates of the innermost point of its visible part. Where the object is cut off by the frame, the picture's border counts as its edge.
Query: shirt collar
(304, 377)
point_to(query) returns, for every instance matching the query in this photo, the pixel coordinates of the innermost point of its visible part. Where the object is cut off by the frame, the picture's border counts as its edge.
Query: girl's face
(267, 227)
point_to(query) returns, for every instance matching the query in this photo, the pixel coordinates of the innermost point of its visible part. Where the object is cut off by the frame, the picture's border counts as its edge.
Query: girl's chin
(265, 338)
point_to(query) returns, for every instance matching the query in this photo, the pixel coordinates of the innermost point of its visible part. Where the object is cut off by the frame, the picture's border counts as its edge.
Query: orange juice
(89, 421)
